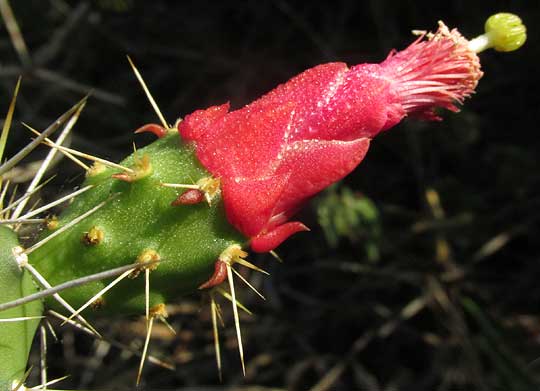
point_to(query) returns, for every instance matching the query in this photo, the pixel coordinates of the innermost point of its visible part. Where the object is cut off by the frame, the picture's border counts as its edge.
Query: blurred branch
(55, 44)
(15, 33)
(69, 84)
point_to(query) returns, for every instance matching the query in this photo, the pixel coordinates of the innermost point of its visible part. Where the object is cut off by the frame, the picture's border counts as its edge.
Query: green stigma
(505, 32)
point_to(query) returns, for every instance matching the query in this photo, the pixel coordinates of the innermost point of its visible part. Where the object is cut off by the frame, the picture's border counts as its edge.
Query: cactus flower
(254, 167)
(275, 153)
(264, 161)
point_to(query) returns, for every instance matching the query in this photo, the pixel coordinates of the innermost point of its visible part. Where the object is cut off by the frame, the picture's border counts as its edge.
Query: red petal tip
(267, 242)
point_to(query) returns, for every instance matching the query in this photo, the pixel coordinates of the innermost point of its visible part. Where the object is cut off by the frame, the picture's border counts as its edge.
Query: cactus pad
(137, 218)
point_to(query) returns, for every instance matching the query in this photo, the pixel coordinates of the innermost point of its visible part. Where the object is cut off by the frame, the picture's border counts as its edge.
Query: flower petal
(314, 165)
(200, 123)
(242, 142)
(360, 106)
(270, 240)
(250, 203)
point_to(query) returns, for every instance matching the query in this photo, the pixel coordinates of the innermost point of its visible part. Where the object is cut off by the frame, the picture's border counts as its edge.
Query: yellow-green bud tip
(506, 32)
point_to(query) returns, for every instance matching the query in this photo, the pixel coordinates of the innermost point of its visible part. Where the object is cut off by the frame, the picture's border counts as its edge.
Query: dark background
(392, 289)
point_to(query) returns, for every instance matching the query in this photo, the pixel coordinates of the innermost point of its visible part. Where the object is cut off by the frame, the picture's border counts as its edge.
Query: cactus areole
(230, 181)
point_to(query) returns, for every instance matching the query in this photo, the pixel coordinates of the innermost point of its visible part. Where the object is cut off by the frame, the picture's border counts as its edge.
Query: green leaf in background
(343, 213)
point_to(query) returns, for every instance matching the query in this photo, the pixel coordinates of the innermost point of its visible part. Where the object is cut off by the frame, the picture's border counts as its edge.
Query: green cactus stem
(15, 336)
(137, 220)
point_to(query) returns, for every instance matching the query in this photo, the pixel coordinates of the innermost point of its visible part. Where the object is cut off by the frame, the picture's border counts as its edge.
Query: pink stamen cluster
(438, 72)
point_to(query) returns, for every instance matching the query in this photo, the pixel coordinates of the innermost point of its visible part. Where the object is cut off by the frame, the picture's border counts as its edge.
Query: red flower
(277, 152)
